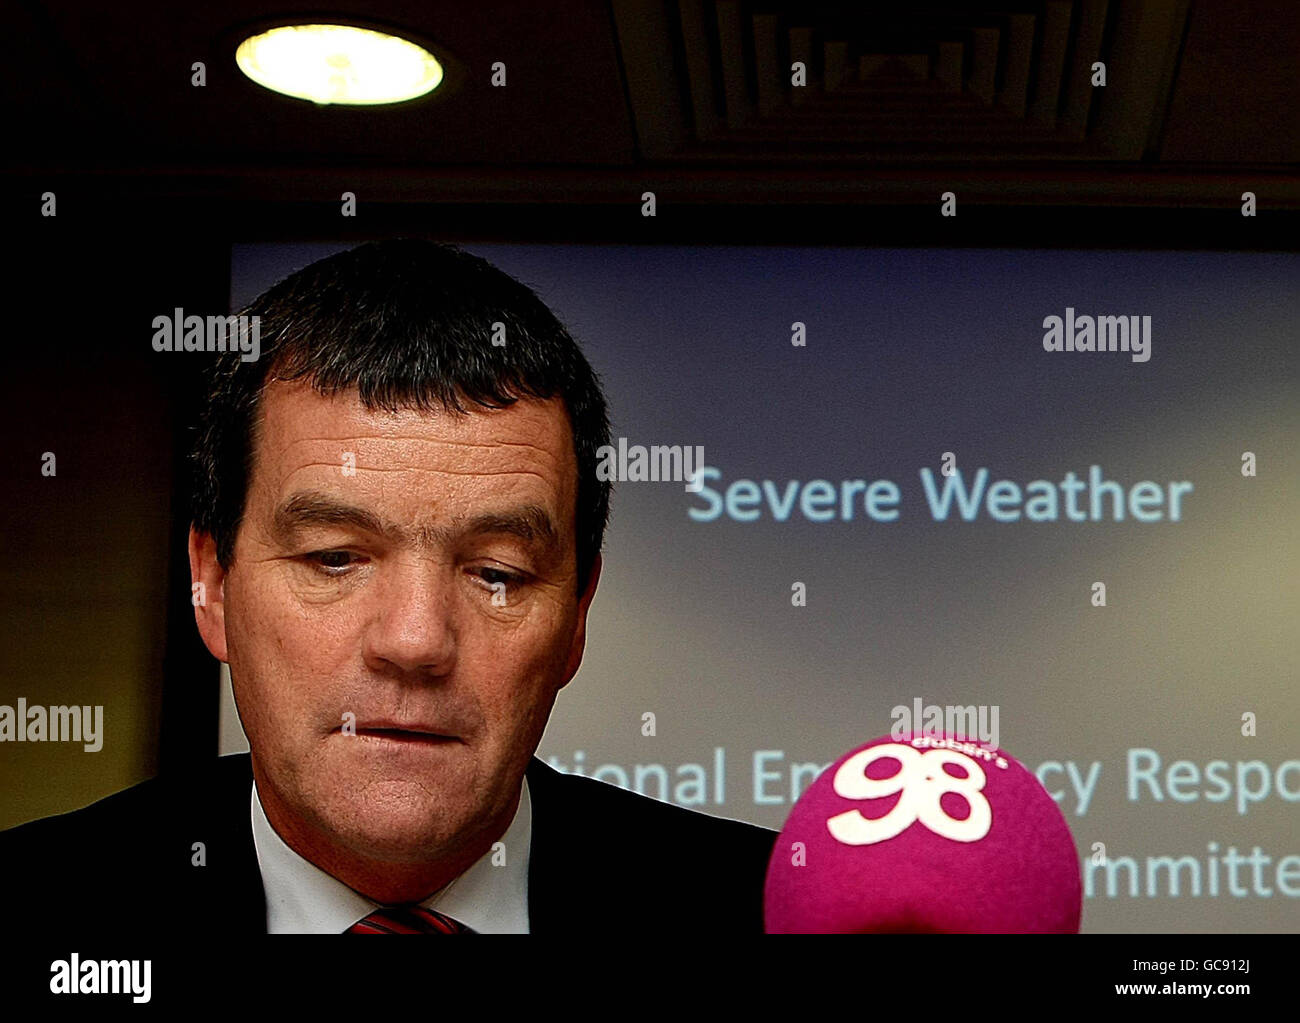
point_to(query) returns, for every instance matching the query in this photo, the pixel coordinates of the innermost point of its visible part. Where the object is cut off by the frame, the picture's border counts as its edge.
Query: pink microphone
(924, 834)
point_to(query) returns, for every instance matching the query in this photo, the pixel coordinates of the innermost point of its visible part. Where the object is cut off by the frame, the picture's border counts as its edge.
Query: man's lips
(403, 732)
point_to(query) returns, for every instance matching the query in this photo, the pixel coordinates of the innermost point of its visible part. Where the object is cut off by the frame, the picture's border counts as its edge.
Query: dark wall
(93, 581)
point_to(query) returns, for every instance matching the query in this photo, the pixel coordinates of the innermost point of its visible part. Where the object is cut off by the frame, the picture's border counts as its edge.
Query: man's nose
(413, 626)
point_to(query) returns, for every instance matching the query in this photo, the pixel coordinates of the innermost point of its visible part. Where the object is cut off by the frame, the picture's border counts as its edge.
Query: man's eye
(498, 578)
(331, 563)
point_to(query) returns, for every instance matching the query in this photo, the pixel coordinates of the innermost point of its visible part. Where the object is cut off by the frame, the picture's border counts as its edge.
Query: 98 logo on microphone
(923, 783)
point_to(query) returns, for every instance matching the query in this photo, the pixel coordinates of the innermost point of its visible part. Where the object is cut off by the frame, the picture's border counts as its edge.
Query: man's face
(414, 574)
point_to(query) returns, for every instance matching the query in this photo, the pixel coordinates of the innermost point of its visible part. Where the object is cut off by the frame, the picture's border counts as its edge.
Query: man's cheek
(516, 675)
(301, 633)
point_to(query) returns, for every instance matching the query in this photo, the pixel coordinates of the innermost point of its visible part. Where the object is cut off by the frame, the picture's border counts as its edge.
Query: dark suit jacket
(602, 860)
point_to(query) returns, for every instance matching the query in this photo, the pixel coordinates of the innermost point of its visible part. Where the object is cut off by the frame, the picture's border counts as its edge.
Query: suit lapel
(233, 880)
(555, 901)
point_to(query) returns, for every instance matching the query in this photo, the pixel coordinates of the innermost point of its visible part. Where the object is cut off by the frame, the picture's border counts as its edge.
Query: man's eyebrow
(309, 508)
(530, 522)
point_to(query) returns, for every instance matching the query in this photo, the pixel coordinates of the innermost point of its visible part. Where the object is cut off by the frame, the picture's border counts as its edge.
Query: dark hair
(409, 323)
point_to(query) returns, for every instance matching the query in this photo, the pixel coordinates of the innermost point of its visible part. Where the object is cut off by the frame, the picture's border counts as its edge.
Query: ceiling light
(338, 64)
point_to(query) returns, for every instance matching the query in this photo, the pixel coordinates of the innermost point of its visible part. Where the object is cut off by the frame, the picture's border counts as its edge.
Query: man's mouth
(406, 734)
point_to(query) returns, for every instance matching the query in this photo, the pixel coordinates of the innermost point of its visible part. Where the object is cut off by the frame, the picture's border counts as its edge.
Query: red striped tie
(408, 920)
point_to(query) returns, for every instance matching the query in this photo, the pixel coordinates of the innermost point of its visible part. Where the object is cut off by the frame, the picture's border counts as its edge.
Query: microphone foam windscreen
(924, 834)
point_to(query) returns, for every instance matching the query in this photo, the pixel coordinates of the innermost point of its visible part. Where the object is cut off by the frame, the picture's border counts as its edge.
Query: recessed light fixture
(338, 64)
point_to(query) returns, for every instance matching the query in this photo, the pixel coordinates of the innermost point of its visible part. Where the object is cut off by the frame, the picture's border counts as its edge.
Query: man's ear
(580, 633)
(208, 593)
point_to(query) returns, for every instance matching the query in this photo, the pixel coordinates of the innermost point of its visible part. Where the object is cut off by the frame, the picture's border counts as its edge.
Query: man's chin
(400, 839)
(397, 807)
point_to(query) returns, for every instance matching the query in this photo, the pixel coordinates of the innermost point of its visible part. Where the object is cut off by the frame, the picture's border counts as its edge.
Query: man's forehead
(296, 421)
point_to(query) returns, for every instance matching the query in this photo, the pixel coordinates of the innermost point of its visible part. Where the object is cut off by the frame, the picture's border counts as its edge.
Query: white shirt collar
(303, 899)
